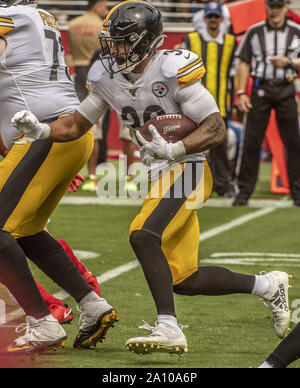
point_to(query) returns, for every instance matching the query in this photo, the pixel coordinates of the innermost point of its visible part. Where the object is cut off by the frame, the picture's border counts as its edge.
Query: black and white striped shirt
(262, 41)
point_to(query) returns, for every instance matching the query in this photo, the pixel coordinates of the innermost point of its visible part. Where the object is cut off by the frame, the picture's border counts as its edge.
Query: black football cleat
(98, 317)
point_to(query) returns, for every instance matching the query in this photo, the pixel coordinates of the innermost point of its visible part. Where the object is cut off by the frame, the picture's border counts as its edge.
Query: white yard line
(103, 201)
(234, 223)
(134, 264)
(260, 254)
(106, 276)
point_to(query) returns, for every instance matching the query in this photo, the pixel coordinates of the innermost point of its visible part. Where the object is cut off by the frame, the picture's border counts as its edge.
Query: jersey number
(57, 45)
(128, 112)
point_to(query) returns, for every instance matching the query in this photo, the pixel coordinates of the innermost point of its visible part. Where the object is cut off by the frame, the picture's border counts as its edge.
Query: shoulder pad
(182, 64)
(96, 71)
(6, 22)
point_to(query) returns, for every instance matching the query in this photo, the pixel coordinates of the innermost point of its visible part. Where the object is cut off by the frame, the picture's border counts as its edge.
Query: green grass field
(223, 332)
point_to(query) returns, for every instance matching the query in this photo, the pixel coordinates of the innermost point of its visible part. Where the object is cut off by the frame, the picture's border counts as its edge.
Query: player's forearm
(68, 128)
(243, 75)
(210, 133)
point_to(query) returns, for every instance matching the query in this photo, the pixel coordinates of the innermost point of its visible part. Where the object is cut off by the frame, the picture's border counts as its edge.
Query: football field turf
(222, 332)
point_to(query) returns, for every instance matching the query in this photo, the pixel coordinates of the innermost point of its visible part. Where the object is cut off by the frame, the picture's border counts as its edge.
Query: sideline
(212, 202)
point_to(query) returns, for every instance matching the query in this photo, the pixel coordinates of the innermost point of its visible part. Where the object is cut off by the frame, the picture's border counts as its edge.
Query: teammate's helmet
(134, 25)
(10, 3)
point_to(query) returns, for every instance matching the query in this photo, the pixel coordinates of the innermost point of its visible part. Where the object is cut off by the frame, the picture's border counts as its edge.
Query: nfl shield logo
(159, 89)
(133, 91)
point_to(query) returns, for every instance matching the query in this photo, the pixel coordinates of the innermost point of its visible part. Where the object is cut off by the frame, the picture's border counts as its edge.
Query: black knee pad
(13, 264)
(39, 244)
(46, 252)
(141, 239)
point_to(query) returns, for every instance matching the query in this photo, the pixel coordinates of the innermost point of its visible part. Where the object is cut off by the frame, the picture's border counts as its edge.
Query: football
(172, 127)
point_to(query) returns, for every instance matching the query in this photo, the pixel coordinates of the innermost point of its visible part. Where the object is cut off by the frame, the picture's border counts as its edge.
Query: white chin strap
(128, 69)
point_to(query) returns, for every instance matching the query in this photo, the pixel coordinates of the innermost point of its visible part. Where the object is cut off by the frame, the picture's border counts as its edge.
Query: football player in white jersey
(138, 82)
(35, 175)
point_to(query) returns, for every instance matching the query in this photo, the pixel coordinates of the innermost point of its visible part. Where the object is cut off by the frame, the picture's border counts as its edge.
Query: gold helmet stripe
(111, 11)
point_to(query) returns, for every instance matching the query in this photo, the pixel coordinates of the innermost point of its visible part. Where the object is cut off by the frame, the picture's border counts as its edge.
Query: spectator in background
(83, 36)
(199, 23)
(83, 39)
(265, 53)
(217, 52)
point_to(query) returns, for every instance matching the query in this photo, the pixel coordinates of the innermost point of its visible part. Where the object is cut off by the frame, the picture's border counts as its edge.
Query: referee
(269, 53)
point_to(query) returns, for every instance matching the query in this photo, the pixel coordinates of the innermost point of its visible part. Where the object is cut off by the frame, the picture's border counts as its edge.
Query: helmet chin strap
(158, 42)
(128, 69)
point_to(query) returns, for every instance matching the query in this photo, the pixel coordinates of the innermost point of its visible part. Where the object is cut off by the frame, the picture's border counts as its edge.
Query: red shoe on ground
(63, 314)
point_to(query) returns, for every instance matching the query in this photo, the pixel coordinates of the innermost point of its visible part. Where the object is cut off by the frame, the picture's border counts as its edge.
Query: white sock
(261, 285)
(91, 297)
(265, 364)
(169, 319)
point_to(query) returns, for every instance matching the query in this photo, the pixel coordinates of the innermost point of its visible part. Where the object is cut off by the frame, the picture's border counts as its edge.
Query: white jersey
(33, 73)
(170, 84)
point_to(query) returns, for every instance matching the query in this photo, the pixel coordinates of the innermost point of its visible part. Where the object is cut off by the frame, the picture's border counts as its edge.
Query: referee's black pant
(264, 98)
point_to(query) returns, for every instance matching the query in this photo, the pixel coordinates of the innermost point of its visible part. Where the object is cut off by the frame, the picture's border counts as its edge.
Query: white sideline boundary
(212, 202)
(106, 276)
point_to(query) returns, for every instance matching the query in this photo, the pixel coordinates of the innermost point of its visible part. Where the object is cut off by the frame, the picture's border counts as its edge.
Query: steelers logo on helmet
(131, 31)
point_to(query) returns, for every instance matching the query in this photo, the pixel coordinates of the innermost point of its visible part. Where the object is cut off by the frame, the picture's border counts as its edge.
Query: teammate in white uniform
(35, 175)
(34, 56)
(139, 82)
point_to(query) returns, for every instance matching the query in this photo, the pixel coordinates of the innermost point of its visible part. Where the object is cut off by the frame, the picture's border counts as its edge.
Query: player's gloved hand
(75, 183)
(27, 123)
(159, 147)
